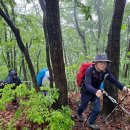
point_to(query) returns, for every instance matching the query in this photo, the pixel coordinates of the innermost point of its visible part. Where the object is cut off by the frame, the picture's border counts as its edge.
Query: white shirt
(45, 79)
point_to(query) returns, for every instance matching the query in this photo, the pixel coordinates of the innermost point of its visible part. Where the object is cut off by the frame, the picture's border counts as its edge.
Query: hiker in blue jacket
(42, 77)
(90, 90)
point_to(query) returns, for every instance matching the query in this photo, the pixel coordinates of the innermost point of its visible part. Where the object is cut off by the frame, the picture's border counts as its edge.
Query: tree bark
(43, 7)
(81, 33)
(38, 56)
(113, 51)
(54, 38)
(97, 6)
(24, 69)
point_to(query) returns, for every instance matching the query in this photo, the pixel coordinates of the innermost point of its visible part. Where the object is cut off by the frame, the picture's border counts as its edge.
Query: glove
(125, 89)
(99, 93)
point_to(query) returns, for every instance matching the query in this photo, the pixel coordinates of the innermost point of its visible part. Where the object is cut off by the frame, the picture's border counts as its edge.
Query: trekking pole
(113, 100)
(117, 105)
(102, 86)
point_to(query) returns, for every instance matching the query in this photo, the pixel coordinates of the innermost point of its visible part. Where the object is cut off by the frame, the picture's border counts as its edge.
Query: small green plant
(7, 96)
(60, 119)
(37, 107)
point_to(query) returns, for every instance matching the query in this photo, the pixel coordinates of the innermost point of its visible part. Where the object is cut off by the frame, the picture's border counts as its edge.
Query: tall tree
(43, 7)
(97, 6)
(80, 32)
(113, 50)
(54, 37)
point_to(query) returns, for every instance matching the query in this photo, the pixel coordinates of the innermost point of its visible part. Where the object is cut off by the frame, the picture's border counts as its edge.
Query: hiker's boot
(80, 118)
(93, 126)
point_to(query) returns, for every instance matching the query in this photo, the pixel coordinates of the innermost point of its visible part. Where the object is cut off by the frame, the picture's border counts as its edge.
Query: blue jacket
(40, 76)
(10, 79)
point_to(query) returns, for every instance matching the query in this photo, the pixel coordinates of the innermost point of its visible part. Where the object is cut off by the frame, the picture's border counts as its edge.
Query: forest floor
(117, 121)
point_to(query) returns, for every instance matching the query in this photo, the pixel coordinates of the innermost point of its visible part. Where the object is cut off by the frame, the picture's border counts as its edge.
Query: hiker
(42, 78)
(90, 90)
(12, 78)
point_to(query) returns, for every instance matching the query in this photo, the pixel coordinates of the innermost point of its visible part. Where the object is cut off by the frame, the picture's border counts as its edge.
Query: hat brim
(109, 61)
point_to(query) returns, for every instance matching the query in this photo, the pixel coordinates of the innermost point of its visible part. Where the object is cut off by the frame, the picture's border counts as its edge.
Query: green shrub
(37, 107)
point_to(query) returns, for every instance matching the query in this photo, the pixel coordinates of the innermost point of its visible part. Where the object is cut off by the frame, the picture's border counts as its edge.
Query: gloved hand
(125, 89)
(99, 93)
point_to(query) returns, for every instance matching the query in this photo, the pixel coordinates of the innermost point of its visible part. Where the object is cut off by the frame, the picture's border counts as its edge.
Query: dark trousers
(85, 98)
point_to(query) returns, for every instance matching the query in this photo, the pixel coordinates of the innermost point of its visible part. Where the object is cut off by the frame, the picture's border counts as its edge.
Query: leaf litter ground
(117, 121)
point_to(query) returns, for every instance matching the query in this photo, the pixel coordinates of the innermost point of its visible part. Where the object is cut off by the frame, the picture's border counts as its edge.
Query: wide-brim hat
(101, 57)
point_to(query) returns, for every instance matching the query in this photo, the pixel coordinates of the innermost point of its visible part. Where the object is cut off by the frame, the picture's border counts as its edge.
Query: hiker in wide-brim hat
(101, 61)
(91, 90)
(102, 57)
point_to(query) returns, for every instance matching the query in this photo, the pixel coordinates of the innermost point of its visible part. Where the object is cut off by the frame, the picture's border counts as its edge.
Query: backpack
(40, 76)
(81, 73)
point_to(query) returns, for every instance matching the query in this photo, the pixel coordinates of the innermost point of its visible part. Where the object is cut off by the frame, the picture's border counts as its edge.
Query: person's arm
(112, 79)
(88, 82)
(8, 80)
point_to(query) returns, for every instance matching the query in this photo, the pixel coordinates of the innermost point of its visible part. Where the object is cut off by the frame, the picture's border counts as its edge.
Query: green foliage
(3, 71)
(86, 10)
(35, 104)
(127, 9)
(123, 27)
(128, 54)
(29, 24)
(7, 96)
(71, 71)
(61, 120)
(37, 107)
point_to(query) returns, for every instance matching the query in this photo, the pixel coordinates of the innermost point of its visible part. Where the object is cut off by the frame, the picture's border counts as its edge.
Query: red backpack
(80, 74)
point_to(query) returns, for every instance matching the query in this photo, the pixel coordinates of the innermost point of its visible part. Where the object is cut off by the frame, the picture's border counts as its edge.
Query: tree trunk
(43, 7)
(81, 33)
(97, 5)
(54, 38)
(24, 69)
(14, 48)
(48, 51)
(113, 51)
(38, 56)
(7, 51)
